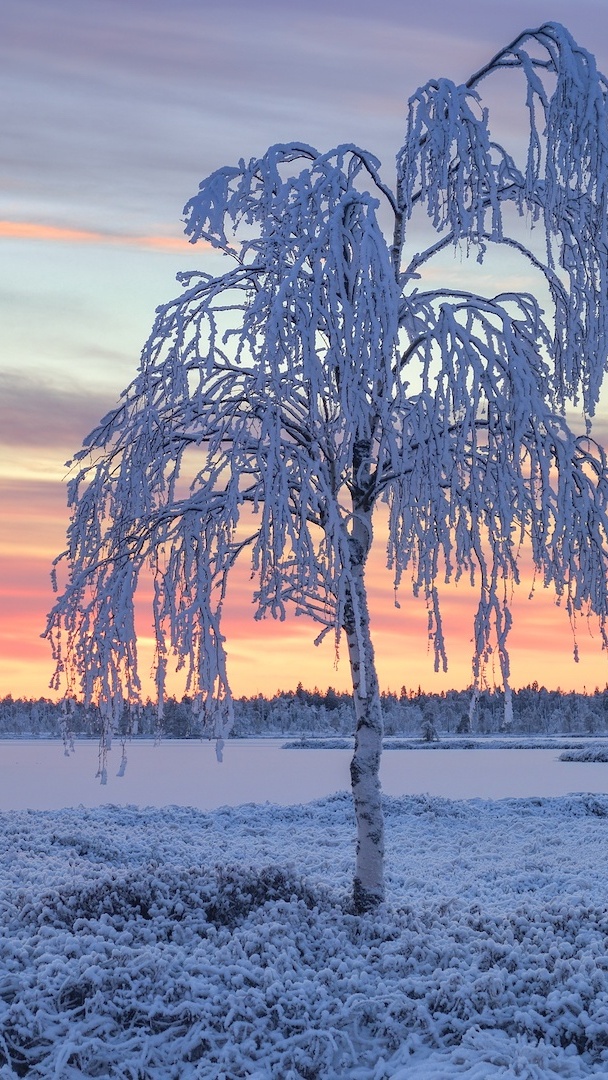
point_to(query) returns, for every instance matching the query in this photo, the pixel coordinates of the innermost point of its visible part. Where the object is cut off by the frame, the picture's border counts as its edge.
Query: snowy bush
(586, 753)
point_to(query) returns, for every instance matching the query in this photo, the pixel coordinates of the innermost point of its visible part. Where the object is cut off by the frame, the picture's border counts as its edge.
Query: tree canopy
(327, 370)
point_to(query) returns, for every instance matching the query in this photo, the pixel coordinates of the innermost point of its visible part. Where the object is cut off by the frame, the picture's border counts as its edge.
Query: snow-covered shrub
(586, 753)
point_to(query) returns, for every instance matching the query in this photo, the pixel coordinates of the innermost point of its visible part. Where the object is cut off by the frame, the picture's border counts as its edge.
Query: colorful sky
(113, 110)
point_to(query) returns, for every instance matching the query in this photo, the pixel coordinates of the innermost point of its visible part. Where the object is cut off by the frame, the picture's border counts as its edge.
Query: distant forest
(412, 713)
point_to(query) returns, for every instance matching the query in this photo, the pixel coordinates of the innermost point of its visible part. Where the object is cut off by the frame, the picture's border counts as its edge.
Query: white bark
(368, 885)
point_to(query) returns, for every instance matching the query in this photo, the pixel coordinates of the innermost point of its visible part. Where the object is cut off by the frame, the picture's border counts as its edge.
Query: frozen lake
(35, 774)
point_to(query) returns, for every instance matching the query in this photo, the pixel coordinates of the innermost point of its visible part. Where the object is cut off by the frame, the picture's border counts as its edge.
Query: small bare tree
(326, 371)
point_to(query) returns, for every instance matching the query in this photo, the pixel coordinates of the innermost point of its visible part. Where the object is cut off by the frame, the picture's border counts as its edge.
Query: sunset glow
(107, 140)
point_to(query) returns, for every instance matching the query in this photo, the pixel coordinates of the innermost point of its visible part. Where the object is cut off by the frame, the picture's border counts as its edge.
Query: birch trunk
(368, 885)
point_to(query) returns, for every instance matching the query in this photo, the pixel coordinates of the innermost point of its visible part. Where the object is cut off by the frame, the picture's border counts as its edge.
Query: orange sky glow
(267, 656)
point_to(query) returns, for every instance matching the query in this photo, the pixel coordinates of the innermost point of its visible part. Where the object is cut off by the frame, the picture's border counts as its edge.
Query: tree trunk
(368, 886)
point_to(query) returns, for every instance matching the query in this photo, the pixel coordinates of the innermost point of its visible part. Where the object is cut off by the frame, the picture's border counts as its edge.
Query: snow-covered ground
(159, 943)
(34, 774)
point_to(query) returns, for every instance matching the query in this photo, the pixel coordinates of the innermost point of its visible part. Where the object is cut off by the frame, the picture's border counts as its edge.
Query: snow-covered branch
(327, 369)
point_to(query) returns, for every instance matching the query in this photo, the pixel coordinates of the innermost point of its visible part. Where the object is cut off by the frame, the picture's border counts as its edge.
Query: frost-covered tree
(327, 371)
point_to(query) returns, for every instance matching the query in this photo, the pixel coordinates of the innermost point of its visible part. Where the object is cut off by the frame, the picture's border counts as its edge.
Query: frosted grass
(170, 943)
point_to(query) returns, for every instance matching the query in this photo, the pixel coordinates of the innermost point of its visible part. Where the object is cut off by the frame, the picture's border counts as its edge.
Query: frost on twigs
(328, 369)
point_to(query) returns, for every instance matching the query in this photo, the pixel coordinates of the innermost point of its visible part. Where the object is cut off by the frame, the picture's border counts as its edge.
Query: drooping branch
(241, 434)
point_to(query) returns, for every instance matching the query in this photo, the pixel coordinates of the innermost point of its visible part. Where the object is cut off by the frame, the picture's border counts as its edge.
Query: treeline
(412, 713)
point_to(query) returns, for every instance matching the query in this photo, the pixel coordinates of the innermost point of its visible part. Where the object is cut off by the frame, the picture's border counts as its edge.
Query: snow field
(151, 944)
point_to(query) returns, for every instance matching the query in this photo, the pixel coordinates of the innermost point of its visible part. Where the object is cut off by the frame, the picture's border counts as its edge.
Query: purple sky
(113, 110)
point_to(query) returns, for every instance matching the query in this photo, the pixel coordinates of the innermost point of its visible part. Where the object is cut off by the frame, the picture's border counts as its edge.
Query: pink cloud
(30, 230)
